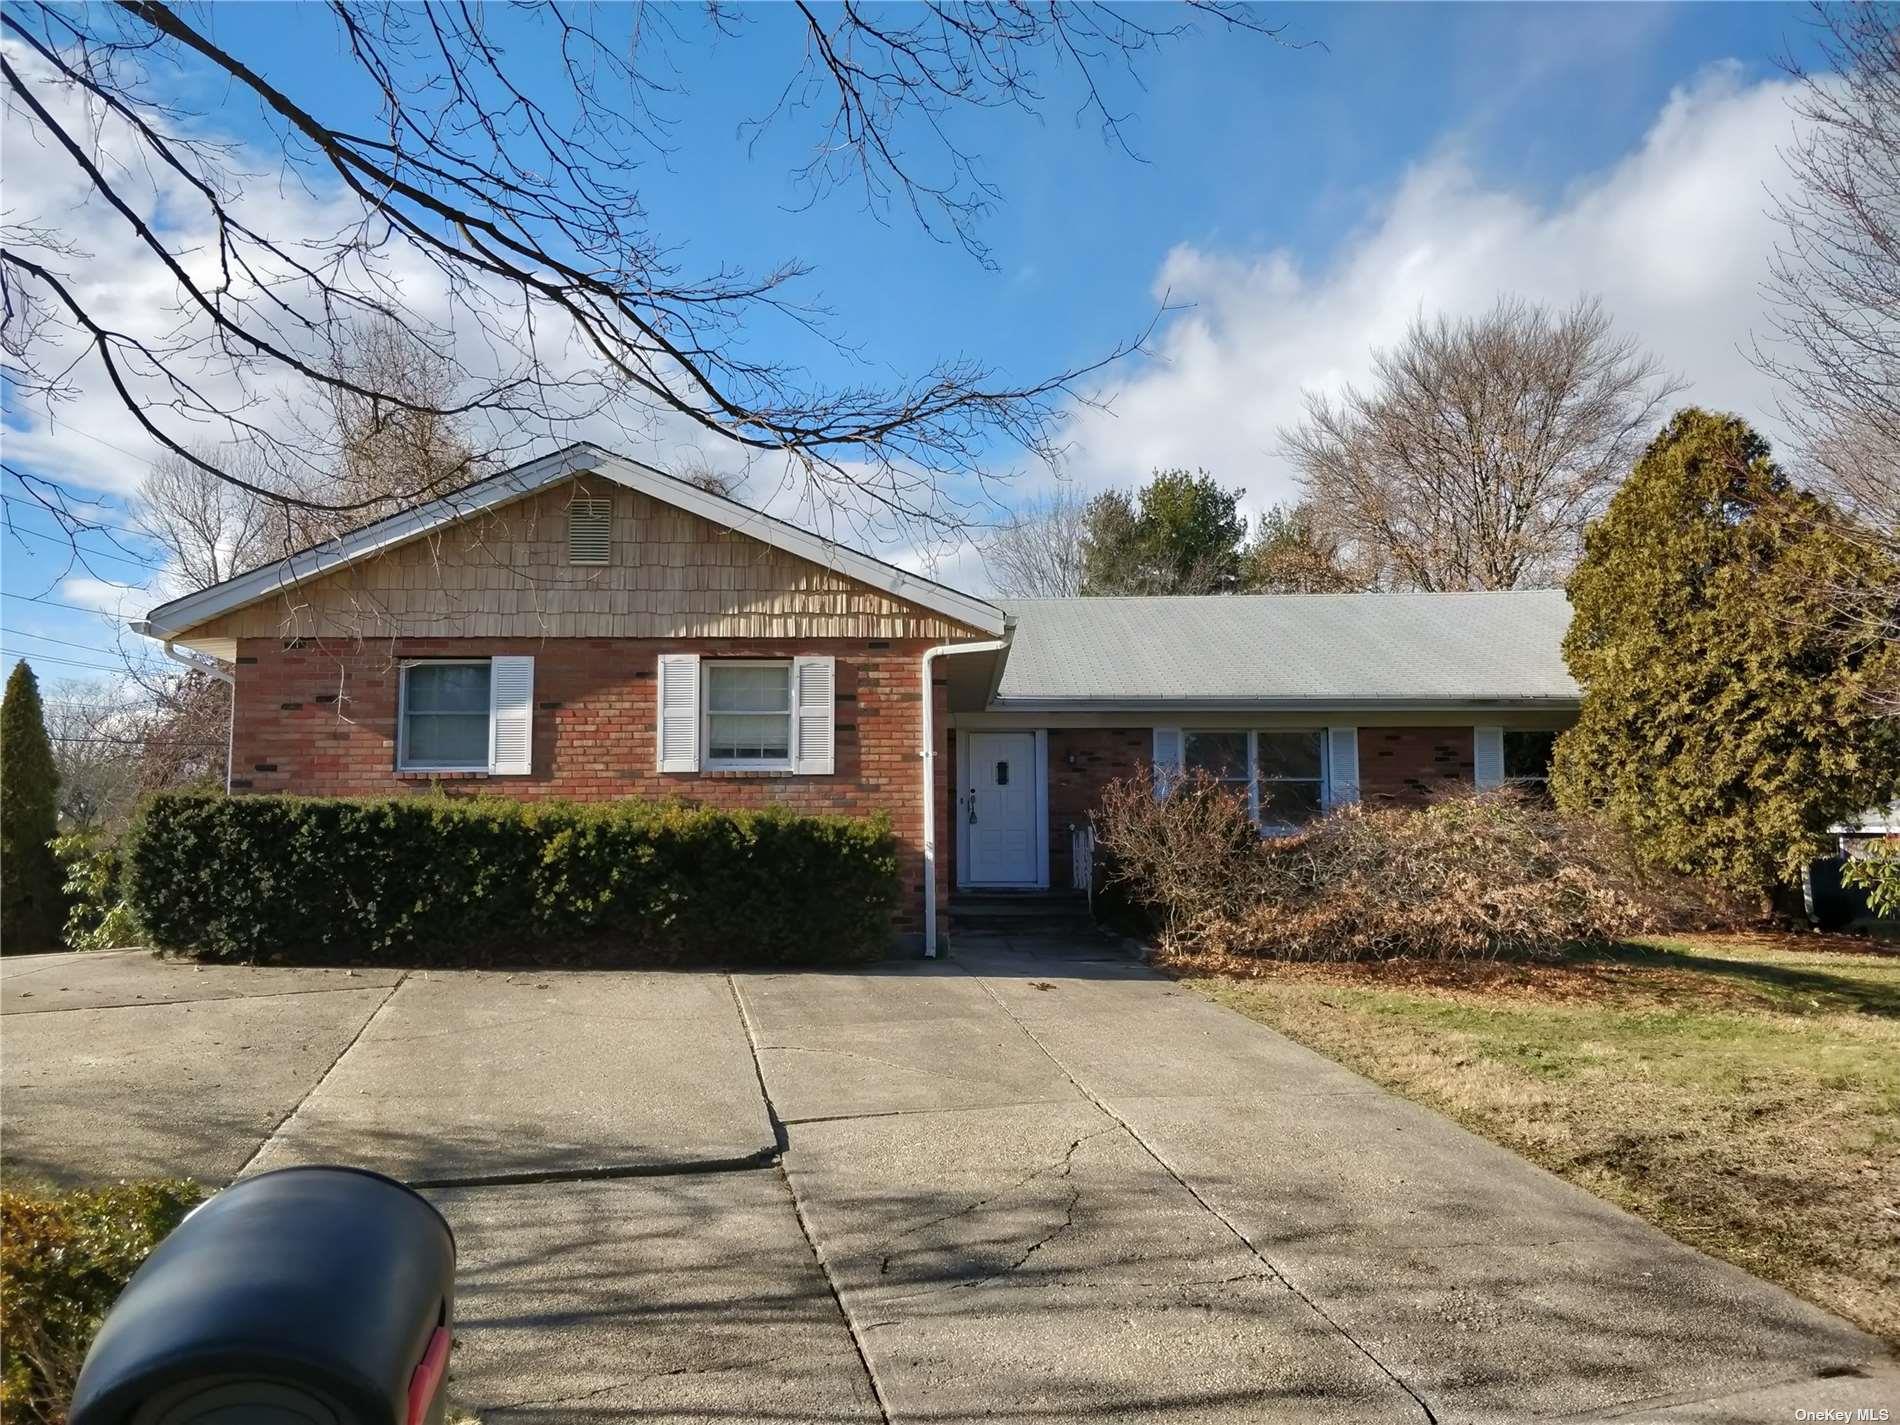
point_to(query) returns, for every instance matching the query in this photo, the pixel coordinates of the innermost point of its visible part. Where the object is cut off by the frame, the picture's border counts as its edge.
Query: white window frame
(710, 763)
(402, 711)
(1253, 769)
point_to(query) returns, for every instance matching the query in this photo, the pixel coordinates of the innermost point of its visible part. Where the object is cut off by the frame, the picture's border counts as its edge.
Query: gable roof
(174, 618)
(1289, 651)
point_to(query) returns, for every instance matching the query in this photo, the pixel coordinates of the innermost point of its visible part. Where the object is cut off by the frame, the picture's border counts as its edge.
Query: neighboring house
(584, 626)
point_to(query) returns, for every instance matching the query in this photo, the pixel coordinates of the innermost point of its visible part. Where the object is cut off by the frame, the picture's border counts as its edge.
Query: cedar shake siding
(319, 719)
(505, 574)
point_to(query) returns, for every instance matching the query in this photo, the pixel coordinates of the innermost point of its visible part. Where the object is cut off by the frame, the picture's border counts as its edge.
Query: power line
(67, 429)
(62, 642)
(73, 545)
(86, 524)
(76, 608)
(34, 656)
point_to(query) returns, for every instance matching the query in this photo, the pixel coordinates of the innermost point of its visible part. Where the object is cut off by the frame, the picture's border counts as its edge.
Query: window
(590, 531)
(1282, 772)
(1291, 767)
(748, 714)
(445, 717)
(1527, 756)
(1222, 755)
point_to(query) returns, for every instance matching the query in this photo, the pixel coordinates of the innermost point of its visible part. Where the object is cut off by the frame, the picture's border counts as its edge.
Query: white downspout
(211, 670)
(994, 645)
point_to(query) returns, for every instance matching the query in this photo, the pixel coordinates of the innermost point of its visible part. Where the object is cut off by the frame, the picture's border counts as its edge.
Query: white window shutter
(677, 732)
(1342, 766)
(1167, 753)
(814, 715)
(1487, 756)
(511, 716)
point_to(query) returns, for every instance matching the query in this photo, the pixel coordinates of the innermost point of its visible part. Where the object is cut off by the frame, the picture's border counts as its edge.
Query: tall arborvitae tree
(1726, 723)
(31, 907)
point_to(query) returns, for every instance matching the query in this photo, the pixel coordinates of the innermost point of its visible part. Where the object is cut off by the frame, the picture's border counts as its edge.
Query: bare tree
(208, 529)
(1483, 446)
(97, 751)
(393, 425)
(505, 232)
(184, 738)
(1037, 553)
(113, 742)
(1835, 287)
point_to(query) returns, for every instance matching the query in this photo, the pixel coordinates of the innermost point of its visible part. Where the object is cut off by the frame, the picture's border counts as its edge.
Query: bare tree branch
(502, 233)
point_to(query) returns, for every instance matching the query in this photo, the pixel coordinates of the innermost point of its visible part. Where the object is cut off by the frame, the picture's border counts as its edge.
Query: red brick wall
(320, 719)
(1100, 755)
(1409, 764)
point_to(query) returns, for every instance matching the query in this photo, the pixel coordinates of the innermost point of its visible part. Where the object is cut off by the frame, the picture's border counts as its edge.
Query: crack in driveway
(1062, 1167)
(1337, 1327)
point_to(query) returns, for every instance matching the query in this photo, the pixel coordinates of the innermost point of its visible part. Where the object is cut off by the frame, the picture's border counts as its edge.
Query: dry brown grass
(1741, 1092)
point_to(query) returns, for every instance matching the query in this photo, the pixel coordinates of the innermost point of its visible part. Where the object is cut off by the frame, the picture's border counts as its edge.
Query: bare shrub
(1474, 875)
(1191, 857)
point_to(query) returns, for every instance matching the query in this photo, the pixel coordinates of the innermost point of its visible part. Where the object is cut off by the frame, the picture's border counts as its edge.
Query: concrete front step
(1021, 913)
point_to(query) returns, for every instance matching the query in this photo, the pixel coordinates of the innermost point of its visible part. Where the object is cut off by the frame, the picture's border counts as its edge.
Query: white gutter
(210, 670)
(994, 645)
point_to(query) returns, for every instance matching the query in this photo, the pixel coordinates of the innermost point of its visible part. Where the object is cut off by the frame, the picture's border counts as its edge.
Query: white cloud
(119, 600)
(1675, 238)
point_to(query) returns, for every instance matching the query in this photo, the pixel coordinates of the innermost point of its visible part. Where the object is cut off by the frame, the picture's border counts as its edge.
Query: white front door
(999, 804)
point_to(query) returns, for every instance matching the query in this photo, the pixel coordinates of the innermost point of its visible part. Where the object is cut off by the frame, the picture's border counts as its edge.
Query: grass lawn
(1740, 1092)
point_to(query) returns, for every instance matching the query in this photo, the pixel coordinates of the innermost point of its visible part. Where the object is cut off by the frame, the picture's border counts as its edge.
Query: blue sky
(1266, 172)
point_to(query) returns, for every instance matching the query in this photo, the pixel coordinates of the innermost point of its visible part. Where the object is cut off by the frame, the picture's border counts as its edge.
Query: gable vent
(590, 531)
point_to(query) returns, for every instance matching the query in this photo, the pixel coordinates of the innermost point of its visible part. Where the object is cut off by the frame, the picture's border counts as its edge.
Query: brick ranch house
(584, 626)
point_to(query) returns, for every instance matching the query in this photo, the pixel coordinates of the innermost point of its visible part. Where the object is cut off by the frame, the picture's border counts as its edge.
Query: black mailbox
(319, 1296)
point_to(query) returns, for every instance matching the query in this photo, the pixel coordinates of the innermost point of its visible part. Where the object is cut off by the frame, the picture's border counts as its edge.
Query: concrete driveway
(1035, 1183)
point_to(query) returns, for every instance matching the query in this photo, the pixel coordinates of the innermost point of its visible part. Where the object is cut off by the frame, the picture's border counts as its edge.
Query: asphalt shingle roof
(1299, 648)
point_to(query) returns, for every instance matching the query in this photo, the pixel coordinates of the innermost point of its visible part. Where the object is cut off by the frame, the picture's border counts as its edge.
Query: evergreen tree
(1179, 534)
(1726, 722)
(31, 905)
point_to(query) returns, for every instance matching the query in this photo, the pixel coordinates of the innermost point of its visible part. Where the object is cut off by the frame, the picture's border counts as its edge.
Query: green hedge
(449, 879)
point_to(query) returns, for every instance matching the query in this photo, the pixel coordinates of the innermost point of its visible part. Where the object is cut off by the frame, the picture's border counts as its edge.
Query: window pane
(1219, 754)
(740, 688)
(447, 740)
(1527, 754)
(448, 687)
(1289, 754)
(1289, 803)
(750, 737)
